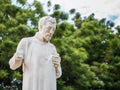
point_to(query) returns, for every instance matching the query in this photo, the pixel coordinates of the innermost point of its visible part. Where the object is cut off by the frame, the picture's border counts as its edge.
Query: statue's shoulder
(27, 39)
(51, 45)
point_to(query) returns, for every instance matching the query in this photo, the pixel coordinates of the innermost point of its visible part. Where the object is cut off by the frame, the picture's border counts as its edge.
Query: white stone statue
(39, 58)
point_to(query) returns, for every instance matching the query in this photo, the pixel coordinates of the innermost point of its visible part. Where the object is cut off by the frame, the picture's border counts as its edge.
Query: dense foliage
(89, 48)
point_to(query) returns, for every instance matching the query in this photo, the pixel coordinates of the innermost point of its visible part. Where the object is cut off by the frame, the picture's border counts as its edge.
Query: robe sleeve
(18, 57)
(58, 70)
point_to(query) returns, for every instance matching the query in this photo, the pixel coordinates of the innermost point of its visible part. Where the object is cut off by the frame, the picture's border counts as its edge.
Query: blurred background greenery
(89, 48)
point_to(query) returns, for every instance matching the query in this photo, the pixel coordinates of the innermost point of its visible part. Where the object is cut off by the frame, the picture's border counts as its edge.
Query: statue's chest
(40, 51)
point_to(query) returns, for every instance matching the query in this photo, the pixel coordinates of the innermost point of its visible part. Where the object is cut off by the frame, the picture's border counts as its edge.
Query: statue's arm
(17, 59)
(57, 63)
(58, 69)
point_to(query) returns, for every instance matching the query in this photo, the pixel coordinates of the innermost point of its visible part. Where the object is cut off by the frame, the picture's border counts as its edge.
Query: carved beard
(46, 38)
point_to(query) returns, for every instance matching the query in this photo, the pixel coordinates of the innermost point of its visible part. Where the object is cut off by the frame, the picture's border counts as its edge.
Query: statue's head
(47, 26)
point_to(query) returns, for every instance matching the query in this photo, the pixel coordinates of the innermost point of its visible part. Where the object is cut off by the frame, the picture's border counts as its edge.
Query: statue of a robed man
(39, 58)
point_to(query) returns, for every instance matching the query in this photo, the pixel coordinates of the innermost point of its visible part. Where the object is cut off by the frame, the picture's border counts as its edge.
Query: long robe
(39, 72)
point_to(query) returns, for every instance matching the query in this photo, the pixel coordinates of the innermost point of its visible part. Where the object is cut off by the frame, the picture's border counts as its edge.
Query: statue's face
(48, 33)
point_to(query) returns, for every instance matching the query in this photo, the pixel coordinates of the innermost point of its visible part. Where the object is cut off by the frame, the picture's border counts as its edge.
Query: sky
(109, 9)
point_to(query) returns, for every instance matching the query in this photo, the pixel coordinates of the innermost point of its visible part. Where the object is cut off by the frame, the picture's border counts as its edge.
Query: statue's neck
(39, 36)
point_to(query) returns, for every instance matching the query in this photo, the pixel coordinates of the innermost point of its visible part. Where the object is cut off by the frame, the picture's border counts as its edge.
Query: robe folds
(36, 59)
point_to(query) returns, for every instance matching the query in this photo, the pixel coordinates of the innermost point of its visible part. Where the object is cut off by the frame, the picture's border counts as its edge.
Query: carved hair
(47, 21)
